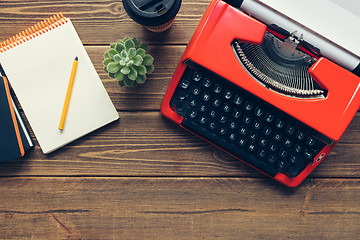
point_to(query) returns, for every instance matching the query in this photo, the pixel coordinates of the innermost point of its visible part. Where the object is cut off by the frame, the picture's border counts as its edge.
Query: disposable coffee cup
(155, 15)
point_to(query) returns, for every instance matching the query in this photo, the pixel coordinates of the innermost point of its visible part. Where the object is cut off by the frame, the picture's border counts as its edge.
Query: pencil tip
(76, 58)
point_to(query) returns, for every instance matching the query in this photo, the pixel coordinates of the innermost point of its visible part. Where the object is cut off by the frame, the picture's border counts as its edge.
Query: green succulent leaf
(129, 44)
(117, 58)
(141, 52)
(131, 52)
(133, 73)
(125, 70)
(122, 62)
(107, 61)
(123, 54)
(136, 42)
(127, 81)
(125, 39)
(121, 83)
(144, 46)
(128, 62)
(137, 60)
(149, 69)
(112, 75)
(119, 76)
(112, 52)
(148, 60)
(141, 69)
(106, 54)
(140, 79)
(113, 67)
(119, 47)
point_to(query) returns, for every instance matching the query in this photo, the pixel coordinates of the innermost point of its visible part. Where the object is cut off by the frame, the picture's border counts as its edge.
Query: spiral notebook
(38, 63)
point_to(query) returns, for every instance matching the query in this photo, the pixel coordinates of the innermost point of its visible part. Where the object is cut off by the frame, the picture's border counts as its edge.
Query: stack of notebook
(14, 137)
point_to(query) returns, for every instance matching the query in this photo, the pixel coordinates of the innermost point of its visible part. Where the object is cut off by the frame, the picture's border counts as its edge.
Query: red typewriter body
(210, 47)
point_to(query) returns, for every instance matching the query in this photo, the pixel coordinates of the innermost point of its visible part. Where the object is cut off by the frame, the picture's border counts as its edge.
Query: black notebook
(15, 139)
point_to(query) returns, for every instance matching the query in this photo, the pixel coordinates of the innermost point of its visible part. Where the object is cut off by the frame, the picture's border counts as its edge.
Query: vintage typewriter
(264, 88)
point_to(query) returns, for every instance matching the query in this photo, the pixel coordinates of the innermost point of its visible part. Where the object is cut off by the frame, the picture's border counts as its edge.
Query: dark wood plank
(181, 208)
(107, 19)
(146, 144)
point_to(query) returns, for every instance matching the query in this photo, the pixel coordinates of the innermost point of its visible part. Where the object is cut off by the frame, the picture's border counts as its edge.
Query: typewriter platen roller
(268, 62)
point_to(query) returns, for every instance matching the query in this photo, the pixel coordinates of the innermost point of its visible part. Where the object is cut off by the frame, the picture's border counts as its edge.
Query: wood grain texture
(146, 144)
(143, 177)
(106, 18)
(177, 208)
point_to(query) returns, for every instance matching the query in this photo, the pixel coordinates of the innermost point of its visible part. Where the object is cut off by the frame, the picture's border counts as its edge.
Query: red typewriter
(263, 91)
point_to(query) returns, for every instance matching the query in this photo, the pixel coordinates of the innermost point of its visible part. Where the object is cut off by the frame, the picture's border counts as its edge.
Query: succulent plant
(128, 62)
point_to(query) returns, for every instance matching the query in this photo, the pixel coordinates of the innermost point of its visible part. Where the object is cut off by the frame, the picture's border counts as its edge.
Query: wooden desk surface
(143, 177)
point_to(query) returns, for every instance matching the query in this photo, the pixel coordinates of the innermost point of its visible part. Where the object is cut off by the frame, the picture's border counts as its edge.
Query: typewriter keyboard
(243, 124)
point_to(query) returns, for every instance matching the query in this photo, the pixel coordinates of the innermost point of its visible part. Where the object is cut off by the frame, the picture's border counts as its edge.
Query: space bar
(190, 125)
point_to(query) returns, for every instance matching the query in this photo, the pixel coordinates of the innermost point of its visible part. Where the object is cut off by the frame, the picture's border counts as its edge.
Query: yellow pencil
(68, 94)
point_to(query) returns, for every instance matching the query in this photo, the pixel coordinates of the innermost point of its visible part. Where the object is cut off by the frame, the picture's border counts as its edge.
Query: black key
(232, 136)
(308, 154)
(272, 158)
(207, 82)
(216, 102)
(242, 142)
(226, 107)
(267, 131)
(217, 88)
(196, 91)
(196, 76)
(227, 94)
(202, 108)
(193, 114)
(295, 169)
(202, 119)
(251, 147)
(257, 125)
(206, 96)
(263, 142)
(279, 123)
(287, 142)
(222, 119)
(300, 135)
(213, 114)
(262, 153)
(298, 148)
(289, 129)
(269, 117)
(283, 153)
(193, 102)
(236, 113)
(310, 141)
(258, 111)
(253, 136)
(232, 125)
(273, 147)
(238, 100)
(283, 165)
(180, 106)
(243, 130)
(184, 84)
(246, 119)
(212, 125)
(222, 131)
(248, 106)
(277, 137)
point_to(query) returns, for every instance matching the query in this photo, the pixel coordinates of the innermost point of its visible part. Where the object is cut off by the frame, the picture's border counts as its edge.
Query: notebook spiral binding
(41, 27)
